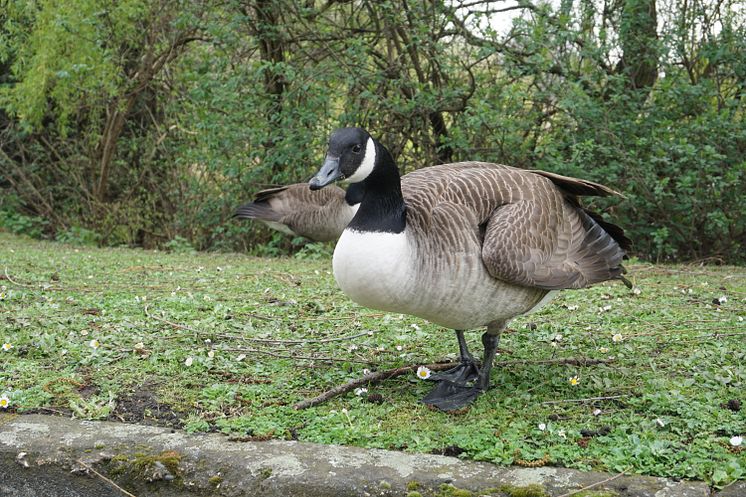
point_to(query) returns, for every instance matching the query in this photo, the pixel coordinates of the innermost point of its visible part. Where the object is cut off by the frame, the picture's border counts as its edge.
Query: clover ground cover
(229, 343)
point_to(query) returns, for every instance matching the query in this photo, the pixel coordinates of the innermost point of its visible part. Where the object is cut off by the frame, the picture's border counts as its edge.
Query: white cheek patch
(366, 166)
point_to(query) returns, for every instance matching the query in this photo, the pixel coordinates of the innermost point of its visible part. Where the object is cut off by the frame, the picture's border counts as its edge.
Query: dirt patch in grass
(142, 406)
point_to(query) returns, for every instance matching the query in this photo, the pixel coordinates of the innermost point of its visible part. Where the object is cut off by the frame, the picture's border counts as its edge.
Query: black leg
(490, 342)
(464, 372)
(449, 395)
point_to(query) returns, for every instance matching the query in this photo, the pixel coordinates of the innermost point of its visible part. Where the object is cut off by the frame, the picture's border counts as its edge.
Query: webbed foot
(450, 396)
(461, 374)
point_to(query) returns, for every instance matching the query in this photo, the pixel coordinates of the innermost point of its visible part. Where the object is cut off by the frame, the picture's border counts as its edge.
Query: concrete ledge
(49, 456)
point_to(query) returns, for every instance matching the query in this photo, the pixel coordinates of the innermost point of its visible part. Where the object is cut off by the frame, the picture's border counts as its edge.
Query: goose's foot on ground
(450, 396)
(461, 374)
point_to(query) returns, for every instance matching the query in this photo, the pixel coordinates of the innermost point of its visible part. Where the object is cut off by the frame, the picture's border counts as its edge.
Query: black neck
(354, 194)
(382, 208)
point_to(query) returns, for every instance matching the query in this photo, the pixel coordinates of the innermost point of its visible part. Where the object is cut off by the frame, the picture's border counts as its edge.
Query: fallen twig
(294, 356)
(439, 366)
(257, 316)
(367, 379)
(296, 342)
(7, 277)
(175, 325)
(107, 480)
(568, 494)
(261, 340)
(587, 399)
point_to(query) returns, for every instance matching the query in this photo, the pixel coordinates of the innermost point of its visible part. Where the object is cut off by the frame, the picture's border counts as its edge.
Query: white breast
(373, 268)
(384, 271)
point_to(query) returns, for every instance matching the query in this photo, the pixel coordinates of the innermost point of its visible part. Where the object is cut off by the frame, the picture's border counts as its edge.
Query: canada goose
(464, 245)
(293, 209)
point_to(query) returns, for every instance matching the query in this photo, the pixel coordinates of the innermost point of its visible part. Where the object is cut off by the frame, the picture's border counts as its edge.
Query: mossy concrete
(54, 456)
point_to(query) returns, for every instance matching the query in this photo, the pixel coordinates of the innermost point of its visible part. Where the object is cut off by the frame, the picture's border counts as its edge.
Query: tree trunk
(639, 42)
(272, 51)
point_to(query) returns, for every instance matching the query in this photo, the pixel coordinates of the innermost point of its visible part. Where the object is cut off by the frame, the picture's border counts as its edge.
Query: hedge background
(146, 123)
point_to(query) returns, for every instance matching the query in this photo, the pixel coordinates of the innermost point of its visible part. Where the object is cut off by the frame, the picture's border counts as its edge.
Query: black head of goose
(464, 245)
(320, 216)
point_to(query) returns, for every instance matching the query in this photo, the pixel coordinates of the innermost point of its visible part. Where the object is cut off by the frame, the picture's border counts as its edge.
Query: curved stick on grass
(607, 480)
(260, 340)
(368, 379)
(253, 350)
(175, 325)
(297, 342)
(107, 480)
(7, 277)
(438, 366)
(587, 399)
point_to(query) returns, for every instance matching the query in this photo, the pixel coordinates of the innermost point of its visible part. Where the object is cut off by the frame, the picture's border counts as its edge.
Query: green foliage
(149, 122)
(179, 245)
(20, 224)
(62, 55)
(78, 236)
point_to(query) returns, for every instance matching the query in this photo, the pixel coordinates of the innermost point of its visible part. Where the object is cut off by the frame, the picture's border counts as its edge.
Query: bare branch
(379, 376)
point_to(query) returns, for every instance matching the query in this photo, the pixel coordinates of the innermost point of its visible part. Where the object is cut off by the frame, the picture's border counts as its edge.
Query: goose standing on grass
(318, 215)
(464, 245)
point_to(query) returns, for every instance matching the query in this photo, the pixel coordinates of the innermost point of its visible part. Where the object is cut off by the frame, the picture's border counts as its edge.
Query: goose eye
(356, 149)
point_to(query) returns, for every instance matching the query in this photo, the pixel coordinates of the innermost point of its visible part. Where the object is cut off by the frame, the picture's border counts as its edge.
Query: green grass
(680, 359)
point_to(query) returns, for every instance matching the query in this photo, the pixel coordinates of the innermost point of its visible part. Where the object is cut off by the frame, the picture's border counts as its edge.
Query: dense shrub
(147, 123)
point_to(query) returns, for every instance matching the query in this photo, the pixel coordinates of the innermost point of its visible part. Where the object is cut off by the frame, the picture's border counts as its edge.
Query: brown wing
(532, 231)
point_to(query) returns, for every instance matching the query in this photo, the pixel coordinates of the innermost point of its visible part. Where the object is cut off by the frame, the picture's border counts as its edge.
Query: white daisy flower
(542, 426)
(4, 401)
(734, 441)
(94, 344)
(360, 391)
(423, 373)
(189, 361)
(617, 338)
(722, 299)
(7, 346)
(636, 290)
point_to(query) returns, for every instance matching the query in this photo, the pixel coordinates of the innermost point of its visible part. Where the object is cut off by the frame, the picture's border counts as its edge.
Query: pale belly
(383, 271)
